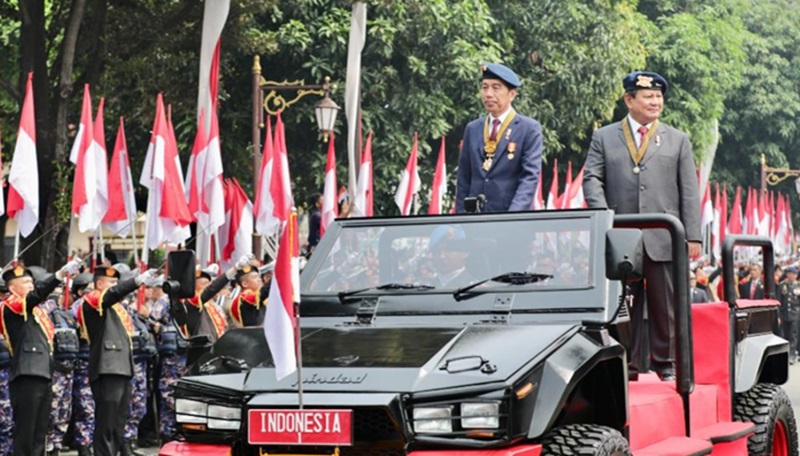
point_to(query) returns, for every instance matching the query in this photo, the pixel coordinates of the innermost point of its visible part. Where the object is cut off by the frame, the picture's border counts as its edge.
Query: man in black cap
(639, 165)
(250, 306)
(30, 339)
(108, 327)
(501, 154)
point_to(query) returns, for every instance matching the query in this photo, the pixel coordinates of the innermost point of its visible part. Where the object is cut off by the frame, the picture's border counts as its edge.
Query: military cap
(792, 269)
(645, 80)
(449, 235)
(122, 268)
(501, 72)
(103, 271)
(15, 273)
(269, 267)
(240, 273)
(202, 273)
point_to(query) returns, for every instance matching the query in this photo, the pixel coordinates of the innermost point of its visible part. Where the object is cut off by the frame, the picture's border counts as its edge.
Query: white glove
(212, 269)
(72, 268)
(244, 261)
(145, 277)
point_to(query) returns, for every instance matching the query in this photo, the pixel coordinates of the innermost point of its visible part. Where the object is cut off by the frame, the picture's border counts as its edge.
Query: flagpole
(296, 317)
(102, 244)
(16, 245)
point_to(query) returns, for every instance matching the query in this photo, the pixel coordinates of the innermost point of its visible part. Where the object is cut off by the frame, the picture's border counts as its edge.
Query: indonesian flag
(409, 182)
(781, 246)
(329, 206)
(749, 219)
(552, 197)
(89, 189)
(763, 213)
(223, 234)
(266, 222)
(281, 182)
(212, 209)
(23, 180)
(706, 210)
(214, 16)
(240, 238)
(194, 172)
(716, 239)
(167, 210)
(362, 201)
(122, 202)
(439, 188)
(735, 222)
(723, 216)
(564, 199)
(575, 196)
(787, 220)
(538, 200)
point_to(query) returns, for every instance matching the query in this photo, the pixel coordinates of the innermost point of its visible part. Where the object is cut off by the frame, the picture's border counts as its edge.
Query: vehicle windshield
(442, 257)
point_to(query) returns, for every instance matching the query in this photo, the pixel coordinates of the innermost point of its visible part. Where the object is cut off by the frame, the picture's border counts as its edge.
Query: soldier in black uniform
(29, 337)
(789, 294)
(197, 315)
(108, 328)
(250, 306)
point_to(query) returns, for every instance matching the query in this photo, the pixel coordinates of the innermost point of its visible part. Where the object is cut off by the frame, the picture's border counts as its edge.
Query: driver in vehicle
(449, 253)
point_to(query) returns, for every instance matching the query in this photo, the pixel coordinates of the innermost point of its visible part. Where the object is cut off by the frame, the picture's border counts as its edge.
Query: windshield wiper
(511, 278)
(343, 295)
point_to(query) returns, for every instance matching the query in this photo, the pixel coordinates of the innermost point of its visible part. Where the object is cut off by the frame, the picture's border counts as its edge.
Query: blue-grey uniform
(172, 351)
(65, 352)
(82, 399)
(6, 414)
(143, 350)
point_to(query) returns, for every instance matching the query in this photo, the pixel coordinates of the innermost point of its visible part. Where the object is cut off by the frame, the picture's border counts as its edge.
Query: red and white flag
(194, 180)
(575, 196)
(23, 180)
(266, 222)
(212, 210)
(439, 188)
(706, 209)
(90, 188)
(215, 14)
(552, 198)
(716, 240)
(362, 202)
(409, 182)
(735, 223)
(281, 182)
(240, 231)
(763, 213)
(122, 202)
(329, 206)
(167, 210)
(564, 198)
(538, 200)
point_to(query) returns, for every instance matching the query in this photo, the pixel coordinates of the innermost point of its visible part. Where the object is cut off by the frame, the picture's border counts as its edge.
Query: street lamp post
(774, 176)
(267, 96)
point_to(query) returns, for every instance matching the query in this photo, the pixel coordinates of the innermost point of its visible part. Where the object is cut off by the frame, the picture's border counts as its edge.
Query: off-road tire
(765, 405)
(585, 439)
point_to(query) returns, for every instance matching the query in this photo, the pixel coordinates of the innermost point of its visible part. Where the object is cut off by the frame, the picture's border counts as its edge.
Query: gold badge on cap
(19, 271)
(111, 272)
(644, 81)
(247, 269)
(197, 273)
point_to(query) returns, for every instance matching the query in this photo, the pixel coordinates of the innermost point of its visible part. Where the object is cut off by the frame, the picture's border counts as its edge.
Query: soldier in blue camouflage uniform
(144, 349)
(172, 352)
(82, 399)
(6, 418)
(65, 353)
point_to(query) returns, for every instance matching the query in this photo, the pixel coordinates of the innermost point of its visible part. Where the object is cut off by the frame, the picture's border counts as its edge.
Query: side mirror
(624, 254)
(180, 274)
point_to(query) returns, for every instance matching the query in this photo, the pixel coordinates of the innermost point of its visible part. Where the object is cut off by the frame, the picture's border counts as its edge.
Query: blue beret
(444, 234)
(645, 80)
(501, 72)
(791, 269)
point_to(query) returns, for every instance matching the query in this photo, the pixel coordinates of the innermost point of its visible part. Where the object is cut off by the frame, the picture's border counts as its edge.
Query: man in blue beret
(501, 154)
(640, 165)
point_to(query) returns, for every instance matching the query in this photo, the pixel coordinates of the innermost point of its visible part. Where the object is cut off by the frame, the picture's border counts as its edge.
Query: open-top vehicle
(493, 334)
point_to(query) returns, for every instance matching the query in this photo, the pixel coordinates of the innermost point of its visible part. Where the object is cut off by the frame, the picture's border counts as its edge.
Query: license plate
(300, 427)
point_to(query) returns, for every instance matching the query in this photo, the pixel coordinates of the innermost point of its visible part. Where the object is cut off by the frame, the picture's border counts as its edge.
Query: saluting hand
(146, 276)
(244, 260)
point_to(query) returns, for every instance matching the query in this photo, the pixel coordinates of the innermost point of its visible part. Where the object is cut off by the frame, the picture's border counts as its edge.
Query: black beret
(244, 271)
(103, 271)
(645, 80)
(15, 273)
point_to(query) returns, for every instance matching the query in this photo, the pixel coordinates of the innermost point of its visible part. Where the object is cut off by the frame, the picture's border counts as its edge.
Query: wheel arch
(762, 358)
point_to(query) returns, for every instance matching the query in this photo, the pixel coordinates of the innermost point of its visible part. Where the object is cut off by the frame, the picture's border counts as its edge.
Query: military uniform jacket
(789, 295)
(250, 306)
(29, 332)
(665, 181)
(511, 181)
(108, 328)
(197, 316)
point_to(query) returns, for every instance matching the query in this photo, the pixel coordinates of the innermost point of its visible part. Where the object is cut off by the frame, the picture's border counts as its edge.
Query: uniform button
(641, 188)
(486, 180)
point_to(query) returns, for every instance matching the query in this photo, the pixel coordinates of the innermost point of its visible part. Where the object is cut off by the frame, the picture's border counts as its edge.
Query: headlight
(226, 418)
(480, 415)
(189, 411)
(433, 420)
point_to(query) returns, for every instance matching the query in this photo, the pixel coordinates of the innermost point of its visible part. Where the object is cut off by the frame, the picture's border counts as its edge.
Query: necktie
(495, 127)
(753, 290)
(642, 134)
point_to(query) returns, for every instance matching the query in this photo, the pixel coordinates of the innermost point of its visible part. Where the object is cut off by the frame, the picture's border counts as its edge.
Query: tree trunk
(53, 247)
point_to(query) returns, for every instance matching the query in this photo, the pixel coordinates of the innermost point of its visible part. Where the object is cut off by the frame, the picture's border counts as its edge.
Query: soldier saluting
(108, 328)
(249, 308)
(29, 335)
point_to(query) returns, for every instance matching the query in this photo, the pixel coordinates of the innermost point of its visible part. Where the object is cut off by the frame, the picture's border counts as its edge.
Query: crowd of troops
(89, 361)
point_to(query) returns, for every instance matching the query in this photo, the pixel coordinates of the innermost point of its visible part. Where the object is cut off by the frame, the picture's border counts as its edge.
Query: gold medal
(490, 147)
(510, 156)
(487, 163)
(636, 169)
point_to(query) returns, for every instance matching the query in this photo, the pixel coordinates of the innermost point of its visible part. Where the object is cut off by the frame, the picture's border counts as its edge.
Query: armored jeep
(503, 334)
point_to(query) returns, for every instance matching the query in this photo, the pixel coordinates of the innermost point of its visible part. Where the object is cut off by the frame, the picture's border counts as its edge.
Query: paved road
(792, 389)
